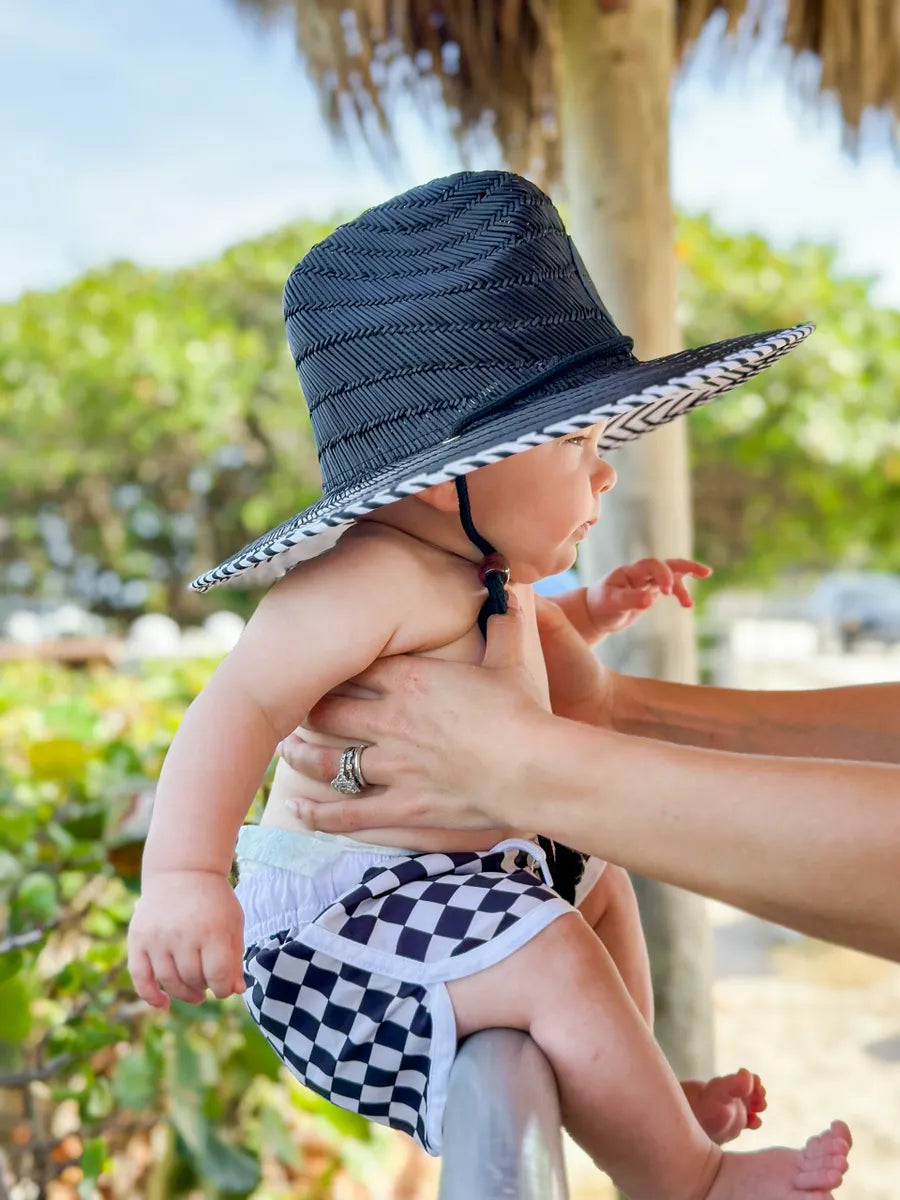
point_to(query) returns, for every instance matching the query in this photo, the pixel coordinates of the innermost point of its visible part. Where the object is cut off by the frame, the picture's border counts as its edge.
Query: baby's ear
(441, 496)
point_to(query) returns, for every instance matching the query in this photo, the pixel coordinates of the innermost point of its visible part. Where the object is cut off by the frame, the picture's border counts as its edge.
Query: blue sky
(164, 130)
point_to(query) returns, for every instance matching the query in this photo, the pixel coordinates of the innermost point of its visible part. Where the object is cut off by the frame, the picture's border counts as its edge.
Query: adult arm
(810, 844)
(861, 722)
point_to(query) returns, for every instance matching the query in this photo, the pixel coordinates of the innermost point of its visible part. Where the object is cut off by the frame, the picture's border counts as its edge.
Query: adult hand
(446, 741)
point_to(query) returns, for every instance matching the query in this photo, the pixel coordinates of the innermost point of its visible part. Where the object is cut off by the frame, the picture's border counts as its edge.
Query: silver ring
(355, 764)
(349, 780)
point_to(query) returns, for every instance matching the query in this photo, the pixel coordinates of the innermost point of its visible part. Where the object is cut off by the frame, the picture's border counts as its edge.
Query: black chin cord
(493, 572)
(566, 865)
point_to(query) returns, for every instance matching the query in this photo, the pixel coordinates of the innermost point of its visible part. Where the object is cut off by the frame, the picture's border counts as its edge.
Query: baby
(463, 379)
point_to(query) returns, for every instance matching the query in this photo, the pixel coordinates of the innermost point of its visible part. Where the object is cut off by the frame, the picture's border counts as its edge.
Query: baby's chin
(550, 564)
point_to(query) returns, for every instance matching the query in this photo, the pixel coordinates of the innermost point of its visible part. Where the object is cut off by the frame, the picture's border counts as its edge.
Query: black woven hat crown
(454, 325)
(411, 319)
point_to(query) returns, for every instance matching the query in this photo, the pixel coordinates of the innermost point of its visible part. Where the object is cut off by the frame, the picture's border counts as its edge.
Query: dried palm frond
(491, 62)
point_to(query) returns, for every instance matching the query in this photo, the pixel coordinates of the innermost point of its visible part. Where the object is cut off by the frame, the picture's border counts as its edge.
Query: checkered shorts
(353, 997)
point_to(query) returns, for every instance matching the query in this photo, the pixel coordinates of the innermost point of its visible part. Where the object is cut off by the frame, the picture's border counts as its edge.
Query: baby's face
(535, 507)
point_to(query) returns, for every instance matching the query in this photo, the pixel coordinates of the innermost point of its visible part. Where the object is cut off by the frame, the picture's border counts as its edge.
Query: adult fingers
(322, 763)
(505, 638)
(347, 816)
(349, 718)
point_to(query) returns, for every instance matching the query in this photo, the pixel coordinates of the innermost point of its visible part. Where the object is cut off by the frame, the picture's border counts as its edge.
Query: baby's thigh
(512, 993)
(611, 897)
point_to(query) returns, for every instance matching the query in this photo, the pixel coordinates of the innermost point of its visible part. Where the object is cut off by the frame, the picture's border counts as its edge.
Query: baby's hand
(186, 936)
(626, 593)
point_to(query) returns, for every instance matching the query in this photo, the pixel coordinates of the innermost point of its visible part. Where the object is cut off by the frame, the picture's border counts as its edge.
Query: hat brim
(635, 399)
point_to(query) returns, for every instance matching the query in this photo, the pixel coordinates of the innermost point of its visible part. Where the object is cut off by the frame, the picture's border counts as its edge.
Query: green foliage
(151, 423)
(85, 1067)
(799, 469)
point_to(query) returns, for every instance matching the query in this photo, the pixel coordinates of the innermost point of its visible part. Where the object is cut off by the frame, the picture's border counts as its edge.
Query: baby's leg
(619, 1097)
(611, 910)
(724, 1106)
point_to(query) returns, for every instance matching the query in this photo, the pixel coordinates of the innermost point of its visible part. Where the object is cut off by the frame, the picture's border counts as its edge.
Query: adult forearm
(849, 722)
(812, 845)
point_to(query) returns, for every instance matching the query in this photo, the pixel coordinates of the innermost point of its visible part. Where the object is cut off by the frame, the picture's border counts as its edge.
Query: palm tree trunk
(615, 61)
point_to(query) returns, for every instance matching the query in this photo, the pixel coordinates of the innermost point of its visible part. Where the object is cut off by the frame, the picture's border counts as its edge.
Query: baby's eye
(577, 441)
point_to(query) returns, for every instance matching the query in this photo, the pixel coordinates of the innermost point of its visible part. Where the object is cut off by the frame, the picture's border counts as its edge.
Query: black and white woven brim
(635, 399)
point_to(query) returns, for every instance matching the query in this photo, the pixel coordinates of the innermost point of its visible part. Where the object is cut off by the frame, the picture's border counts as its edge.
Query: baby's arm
(319, 626)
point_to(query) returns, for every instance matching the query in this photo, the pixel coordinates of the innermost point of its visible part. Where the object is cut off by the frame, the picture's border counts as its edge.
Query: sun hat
(453, 326)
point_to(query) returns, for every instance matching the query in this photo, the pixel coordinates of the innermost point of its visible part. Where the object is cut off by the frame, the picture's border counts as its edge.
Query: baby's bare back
(438, 601)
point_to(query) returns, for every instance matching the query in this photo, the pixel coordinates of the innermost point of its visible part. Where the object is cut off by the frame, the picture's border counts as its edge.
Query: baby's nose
(604, 479)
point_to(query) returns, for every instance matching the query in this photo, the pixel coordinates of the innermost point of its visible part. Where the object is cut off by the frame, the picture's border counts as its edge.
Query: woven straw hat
(451, 327)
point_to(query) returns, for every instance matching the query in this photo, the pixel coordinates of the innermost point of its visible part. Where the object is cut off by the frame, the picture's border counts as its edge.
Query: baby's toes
(841, 1131)
(829, 1145)
(820, 1178)
(824, 1160)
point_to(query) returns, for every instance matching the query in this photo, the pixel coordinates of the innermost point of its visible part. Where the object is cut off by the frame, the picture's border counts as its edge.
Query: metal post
(502, 1130)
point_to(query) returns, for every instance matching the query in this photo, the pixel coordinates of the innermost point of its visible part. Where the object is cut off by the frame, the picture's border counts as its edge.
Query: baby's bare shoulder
(374, 570)
(439, 594)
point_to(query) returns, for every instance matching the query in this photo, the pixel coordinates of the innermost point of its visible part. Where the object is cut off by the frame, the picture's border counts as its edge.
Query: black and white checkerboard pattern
(435, 906)
(359, 1039)
(362, 1038)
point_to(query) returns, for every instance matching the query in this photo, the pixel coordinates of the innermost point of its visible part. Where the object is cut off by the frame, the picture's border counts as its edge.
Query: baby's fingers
(223, 967)
(626, 599)
(682, 567)
(168, 972)
(681, 594)
(687, 566)
(649, 571)
(144, 980)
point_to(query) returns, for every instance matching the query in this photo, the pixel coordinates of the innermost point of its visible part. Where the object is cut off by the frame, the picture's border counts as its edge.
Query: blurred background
(725, 168)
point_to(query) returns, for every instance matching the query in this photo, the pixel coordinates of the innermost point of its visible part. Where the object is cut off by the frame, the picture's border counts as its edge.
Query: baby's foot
(812, 1173)
(727, 1105)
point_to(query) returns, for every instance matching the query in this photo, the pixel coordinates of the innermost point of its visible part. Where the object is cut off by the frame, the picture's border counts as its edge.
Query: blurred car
(851, 607)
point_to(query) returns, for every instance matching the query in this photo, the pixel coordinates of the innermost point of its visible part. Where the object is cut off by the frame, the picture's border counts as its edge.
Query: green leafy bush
(100, 1095)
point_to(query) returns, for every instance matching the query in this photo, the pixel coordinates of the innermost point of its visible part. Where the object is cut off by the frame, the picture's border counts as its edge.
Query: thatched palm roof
(493, 59)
